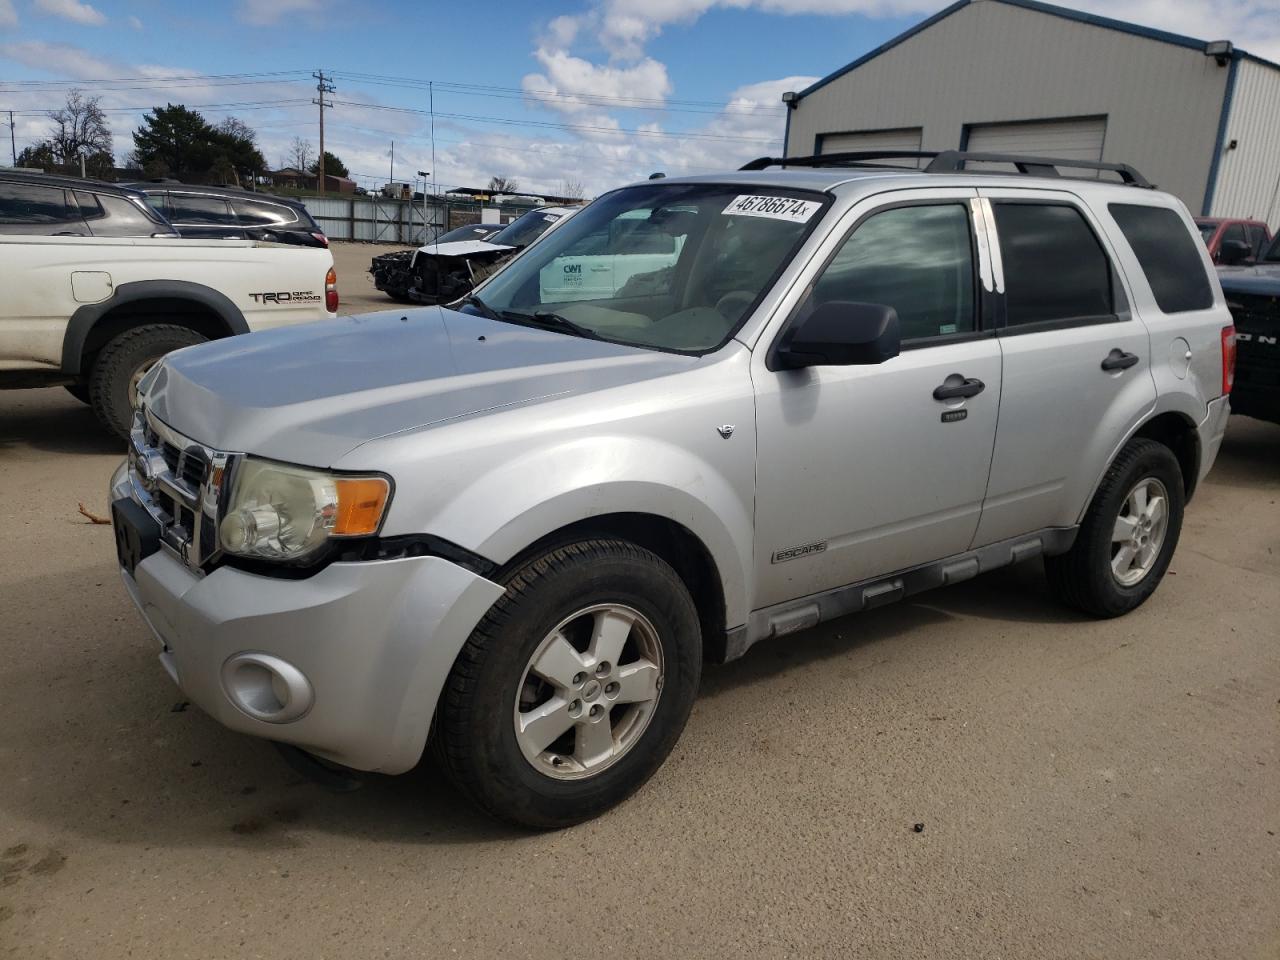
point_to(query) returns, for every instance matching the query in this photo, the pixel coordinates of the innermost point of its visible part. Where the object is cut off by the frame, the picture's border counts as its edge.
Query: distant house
(292, 177)
(334, 184)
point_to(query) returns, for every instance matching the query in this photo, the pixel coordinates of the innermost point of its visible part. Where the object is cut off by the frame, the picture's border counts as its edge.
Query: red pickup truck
(1232, 242)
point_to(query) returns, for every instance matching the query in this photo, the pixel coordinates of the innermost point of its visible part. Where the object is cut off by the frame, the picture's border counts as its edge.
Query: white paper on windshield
(774, 208)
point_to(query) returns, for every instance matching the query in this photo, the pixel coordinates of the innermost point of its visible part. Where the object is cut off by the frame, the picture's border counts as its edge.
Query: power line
(594, 128)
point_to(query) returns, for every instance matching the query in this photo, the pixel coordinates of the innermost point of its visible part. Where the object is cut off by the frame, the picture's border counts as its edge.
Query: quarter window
(1167, 254)
(916, 259)
(211, 210)
(255, 213)
(1054, 267)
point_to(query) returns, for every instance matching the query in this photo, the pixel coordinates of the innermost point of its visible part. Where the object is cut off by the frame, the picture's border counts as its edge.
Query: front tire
(121, 364)
(1128, 536)
(575, 686)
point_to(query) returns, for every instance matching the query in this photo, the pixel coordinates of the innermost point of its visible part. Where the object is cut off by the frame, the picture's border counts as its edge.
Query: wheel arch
(1177, 431)
(207, 311)
(1172, 425)
(672, 541)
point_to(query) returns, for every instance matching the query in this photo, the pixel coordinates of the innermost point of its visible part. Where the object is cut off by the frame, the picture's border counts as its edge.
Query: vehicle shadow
(1250, 455)
(53, 421)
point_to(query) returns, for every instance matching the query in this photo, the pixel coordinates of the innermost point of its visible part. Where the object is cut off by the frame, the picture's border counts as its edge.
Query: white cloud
(72, 10)
(135, 23)
(8, 15)
(567, 79)
(265, 12)
(61, 58)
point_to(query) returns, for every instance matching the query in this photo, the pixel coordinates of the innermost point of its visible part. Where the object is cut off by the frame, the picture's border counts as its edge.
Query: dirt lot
(356, 292)
(1087, 789)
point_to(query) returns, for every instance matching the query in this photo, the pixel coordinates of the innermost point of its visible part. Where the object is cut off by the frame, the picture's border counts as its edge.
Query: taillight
(331, 291)
(320, 238)
(1228, 359)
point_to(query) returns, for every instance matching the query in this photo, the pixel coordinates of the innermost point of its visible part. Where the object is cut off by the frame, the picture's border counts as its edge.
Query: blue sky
(597, 91)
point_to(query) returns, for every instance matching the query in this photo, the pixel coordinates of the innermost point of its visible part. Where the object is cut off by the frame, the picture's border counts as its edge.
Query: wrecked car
(443, 271)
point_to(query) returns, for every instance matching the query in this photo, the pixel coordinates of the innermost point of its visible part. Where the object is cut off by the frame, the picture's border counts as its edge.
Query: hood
(1262, 278)
(463, 248)
(311, 393)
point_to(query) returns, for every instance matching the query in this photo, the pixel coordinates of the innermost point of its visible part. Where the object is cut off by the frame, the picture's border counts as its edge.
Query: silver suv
(706, 412)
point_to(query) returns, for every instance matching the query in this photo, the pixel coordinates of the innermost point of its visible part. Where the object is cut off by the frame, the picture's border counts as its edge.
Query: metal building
(1200, 119)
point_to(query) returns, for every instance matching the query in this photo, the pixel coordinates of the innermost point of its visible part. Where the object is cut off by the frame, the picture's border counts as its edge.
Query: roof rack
(952, 161)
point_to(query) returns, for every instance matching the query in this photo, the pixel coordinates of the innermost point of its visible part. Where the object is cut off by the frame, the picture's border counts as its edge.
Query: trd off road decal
(287, 296)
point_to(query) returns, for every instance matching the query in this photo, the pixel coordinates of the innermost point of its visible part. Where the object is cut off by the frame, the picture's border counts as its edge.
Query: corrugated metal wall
(377, 219)
(1249, 175)
(992, 62)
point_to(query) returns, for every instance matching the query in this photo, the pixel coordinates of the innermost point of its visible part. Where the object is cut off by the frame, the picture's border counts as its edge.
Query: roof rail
(951, 161)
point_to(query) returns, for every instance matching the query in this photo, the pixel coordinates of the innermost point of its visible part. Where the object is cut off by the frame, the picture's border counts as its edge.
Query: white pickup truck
(92, 311)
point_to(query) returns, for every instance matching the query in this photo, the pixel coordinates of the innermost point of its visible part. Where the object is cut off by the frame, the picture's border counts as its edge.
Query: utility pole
(322, 87)
(431, 99)
(392, 180)
(13, 144)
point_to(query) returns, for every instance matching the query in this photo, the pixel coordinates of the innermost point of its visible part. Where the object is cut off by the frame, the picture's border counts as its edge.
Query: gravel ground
(356, 292)
(1087, 789)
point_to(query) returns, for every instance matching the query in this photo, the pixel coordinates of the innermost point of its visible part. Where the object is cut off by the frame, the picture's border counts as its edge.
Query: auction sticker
(775, 208)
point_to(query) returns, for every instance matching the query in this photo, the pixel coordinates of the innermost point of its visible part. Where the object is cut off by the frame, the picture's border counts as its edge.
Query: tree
(175, 138)
(176, 142)
(80, 128)
(39, 157)
(301, 154)
(333, 166)
(504, 185)
(572, 189)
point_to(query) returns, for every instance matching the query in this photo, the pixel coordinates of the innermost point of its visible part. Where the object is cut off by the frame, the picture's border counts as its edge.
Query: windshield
(523, 231)
(1207, 230)
(674, 267)
(1273, 252)
(472, 231)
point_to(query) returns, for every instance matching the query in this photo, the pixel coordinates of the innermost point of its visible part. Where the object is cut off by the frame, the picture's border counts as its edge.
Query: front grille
(180, 482)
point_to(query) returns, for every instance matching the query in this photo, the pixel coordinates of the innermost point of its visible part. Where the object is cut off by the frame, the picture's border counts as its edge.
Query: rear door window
(1167, 254)
(1055, 270)
(34, 204)
(201, 210)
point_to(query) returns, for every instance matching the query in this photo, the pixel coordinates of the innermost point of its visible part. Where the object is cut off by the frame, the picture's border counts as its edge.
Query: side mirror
(1232, 252)
(841, 333)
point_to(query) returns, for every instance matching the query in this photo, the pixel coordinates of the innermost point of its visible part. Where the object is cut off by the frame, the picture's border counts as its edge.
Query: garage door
(1075, 139)
(906, 138)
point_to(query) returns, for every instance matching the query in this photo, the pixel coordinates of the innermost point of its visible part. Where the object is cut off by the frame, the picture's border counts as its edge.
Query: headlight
(280, 512)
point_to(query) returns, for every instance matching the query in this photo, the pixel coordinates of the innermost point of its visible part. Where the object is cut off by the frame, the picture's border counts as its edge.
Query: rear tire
(617, 627)
(123, 361)
(1127, 539)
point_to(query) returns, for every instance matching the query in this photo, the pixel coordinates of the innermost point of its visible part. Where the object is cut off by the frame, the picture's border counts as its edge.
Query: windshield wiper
(552, 321)
(483, 307)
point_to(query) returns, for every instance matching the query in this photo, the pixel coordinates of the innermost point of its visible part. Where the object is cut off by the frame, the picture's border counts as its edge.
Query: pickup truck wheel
(123, 362)
(1128, 536)
(79, 390)
(574, 687)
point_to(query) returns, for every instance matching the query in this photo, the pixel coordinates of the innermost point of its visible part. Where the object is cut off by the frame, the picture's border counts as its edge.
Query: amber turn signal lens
(361, 501)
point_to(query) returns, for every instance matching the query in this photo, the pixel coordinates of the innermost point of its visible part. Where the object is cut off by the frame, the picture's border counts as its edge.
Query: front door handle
(1117, 359)
(956, 387)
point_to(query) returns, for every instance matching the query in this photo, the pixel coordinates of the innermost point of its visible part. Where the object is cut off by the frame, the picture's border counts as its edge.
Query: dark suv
(225, 213)
(45, 205)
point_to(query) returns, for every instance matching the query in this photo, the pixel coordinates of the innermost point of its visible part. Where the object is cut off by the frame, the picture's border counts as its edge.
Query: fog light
(266, 687)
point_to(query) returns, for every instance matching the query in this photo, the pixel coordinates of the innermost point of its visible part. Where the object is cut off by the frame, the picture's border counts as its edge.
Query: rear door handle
(956, 386)
(1117, 359)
